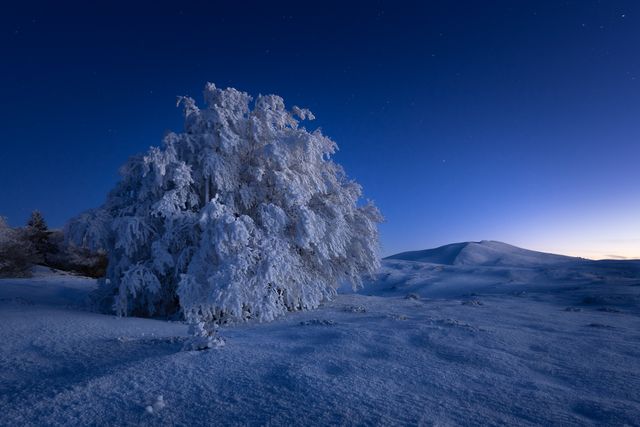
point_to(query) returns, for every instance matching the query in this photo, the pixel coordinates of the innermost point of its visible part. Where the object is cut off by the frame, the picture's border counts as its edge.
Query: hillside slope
(485, 253)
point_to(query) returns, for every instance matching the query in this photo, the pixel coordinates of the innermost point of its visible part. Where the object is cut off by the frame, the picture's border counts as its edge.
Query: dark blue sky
(463, 120)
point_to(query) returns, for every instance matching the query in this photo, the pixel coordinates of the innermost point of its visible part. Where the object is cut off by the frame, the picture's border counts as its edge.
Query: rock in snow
(157, 405)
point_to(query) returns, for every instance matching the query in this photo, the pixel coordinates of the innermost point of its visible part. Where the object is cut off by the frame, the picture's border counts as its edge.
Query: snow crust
(423, 343)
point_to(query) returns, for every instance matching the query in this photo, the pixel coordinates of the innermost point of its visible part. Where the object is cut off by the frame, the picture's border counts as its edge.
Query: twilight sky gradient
(463, 120)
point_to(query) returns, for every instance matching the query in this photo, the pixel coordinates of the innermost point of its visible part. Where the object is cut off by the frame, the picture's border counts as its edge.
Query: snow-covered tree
(241, 216)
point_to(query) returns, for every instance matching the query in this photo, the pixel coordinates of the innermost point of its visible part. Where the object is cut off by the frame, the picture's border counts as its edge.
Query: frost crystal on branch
(242, 216)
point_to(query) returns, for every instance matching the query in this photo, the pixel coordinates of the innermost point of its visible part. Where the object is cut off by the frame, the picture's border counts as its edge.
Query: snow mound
(483, 253)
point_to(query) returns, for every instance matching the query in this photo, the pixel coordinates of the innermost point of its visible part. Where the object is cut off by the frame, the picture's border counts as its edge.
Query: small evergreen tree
(242, 216)
(38, 234)
(37, 222)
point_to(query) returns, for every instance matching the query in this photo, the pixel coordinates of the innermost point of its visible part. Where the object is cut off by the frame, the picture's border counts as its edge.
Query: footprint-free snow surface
(471, 333)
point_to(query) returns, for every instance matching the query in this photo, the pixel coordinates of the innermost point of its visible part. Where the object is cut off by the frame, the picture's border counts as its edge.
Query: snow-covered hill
(468, 334)
(486, 252)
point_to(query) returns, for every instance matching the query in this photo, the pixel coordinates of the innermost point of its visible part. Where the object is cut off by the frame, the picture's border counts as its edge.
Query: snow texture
(539, 344)
(242, 216)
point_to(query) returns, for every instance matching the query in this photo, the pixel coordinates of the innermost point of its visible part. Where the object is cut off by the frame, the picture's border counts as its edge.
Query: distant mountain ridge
(483, 253)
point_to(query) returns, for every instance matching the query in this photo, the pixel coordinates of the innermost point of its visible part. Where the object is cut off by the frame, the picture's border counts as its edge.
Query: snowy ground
(487, 335)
